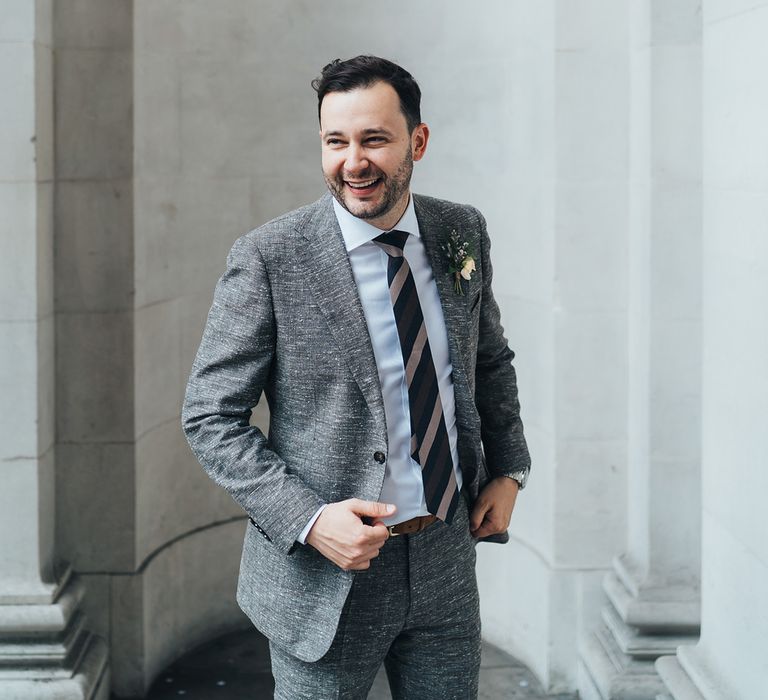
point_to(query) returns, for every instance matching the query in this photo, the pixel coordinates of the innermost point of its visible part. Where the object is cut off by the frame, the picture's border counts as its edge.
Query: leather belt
(408, 527)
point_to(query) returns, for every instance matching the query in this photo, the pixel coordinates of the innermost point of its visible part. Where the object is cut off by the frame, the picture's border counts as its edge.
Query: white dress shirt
(403, 485)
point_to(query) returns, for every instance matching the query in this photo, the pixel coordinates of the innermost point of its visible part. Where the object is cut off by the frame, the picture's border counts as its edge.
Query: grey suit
(286, 320)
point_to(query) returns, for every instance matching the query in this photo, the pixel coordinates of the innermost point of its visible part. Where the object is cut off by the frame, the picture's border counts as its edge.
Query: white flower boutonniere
(461, 262)
(468, 269)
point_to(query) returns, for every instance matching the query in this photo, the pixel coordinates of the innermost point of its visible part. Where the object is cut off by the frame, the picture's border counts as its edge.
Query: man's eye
(375, 139)
(333, 142)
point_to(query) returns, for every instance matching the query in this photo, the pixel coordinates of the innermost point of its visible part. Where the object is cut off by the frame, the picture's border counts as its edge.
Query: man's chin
(361, 209)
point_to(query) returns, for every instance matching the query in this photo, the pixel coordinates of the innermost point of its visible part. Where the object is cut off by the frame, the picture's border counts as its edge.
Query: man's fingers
(483, 532)
(372, 509)
(372, 536)
(478, 514)
(340, 535)
(359, 561)
(487, 528)
(378, 531)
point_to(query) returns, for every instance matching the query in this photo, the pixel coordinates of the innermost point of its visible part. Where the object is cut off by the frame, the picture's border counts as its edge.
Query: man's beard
(394, 188)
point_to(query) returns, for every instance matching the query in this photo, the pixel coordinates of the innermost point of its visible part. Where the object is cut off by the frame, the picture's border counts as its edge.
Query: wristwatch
(520, 477)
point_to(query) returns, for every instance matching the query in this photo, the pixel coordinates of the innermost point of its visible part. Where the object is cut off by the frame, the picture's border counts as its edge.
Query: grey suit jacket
(287, 322)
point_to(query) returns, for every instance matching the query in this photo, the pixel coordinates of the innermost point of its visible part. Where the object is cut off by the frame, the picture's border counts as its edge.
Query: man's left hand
(493, 507)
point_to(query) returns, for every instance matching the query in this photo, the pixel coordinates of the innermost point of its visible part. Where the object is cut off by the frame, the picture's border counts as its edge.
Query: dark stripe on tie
(408, 328)
(424, 394)
(435, 475)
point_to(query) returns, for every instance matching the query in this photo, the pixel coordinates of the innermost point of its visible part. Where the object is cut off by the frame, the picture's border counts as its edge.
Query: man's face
(368, 152)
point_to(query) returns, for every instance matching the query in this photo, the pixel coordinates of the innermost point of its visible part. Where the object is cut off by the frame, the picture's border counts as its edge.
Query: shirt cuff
(302, 538)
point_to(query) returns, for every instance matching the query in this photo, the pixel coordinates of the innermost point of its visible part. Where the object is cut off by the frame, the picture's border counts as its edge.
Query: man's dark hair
(364, 71)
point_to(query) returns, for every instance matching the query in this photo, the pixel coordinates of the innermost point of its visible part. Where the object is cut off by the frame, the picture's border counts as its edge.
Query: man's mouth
(363, 186)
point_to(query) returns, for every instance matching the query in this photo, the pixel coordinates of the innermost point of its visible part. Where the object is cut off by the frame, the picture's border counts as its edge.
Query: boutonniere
(461, 261)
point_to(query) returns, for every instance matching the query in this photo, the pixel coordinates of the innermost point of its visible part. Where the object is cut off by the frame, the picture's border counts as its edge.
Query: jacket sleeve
(228, 376)
(504, 444)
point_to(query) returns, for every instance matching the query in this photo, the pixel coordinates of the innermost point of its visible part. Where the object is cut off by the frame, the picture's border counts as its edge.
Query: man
(368, 321)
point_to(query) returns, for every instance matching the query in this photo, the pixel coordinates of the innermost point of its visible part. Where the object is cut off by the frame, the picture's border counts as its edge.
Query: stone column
(653, 590)
(560, 261)
(729, 662)
(155, 543)
(45, 649)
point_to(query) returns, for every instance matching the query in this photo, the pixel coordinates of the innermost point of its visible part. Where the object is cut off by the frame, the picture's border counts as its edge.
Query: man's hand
(339, 533)
(493, 507)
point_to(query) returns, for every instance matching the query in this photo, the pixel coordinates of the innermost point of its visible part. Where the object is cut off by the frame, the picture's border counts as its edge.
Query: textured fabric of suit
(286, 323)
(416, 610)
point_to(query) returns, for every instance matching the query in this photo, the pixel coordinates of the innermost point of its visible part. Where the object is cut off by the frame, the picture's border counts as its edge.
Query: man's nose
(356, 158)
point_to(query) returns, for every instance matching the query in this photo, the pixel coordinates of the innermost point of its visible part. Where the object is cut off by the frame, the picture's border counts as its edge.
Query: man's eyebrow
(377, 130)
(367, 132)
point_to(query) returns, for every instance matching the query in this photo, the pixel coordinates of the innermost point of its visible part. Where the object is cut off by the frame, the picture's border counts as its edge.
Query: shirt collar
(357, 232)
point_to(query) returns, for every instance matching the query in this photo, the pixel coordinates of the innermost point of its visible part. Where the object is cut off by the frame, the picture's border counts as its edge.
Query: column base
(614, 675)
(689, 676)
(89, 681)
(47, 653)
(665, 608)
(638, 644)
(640, 624)
(678, 685)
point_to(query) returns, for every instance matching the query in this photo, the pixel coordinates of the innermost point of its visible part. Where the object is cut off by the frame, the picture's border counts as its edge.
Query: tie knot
(392, 242)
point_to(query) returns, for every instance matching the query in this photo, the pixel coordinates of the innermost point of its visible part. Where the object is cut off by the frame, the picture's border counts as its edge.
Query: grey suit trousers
(416, 610)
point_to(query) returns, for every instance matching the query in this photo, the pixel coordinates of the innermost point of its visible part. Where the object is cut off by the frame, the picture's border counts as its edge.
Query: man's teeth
(362, 185)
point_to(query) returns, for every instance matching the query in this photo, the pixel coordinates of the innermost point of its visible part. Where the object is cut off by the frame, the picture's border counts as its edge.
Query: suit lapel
(330, 274)
(455, 310)
(433, 233)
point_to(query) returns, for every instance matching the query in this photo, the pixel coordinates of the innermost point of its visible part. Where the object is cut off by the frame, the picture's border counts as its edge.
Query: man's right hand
(339, 533)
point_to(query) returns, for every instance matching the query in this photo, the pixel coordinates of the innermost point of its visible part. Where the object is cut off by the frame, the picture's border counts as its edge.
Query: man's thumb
(373, 508)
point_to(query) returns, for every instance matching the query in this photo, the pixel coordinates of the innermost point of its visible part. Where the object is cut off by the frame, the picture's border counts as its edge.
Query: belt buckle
(391, 530)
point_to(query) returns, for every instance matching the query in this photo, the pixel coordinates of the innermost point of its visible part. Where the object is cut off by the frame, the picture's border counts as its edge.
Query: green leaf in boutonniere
(461, 260)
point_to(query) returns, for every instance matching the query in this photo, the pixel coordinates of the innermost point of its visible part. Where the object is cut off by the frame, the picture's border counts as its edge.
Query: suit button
(380, 457)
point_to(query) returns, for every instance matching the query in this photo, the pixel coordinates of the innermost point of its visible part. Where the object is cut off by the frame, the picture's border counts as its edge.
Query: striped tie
(429, 438)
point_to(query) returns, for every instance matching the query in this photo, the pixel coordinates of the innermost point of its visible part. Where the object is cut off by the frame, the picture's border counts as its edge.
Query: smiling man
(368, 151)
(368, 322)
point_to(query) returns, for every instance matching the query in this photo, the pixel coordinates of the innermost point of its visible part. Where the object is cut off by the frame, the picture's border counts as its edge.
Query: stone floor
(236, 667)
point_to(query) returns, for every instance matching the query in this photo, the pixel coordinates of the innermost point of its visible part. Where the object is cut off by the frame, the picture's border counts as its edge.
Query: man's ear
(419, 139)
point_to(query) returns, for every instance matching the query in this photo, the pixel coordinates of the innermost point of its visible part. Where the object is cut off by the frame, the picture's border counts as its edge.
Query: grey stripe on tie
(391, 250)
(399, 280)
(445, 503)
(429, 435)
(415, 358)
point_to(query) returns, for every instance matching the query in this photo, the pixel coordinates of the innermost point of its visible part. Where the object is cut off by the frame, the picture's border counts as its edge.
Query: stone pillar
(560, 257)
(45, 648)
(729, 662)
(154, 542)
(653, 590)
